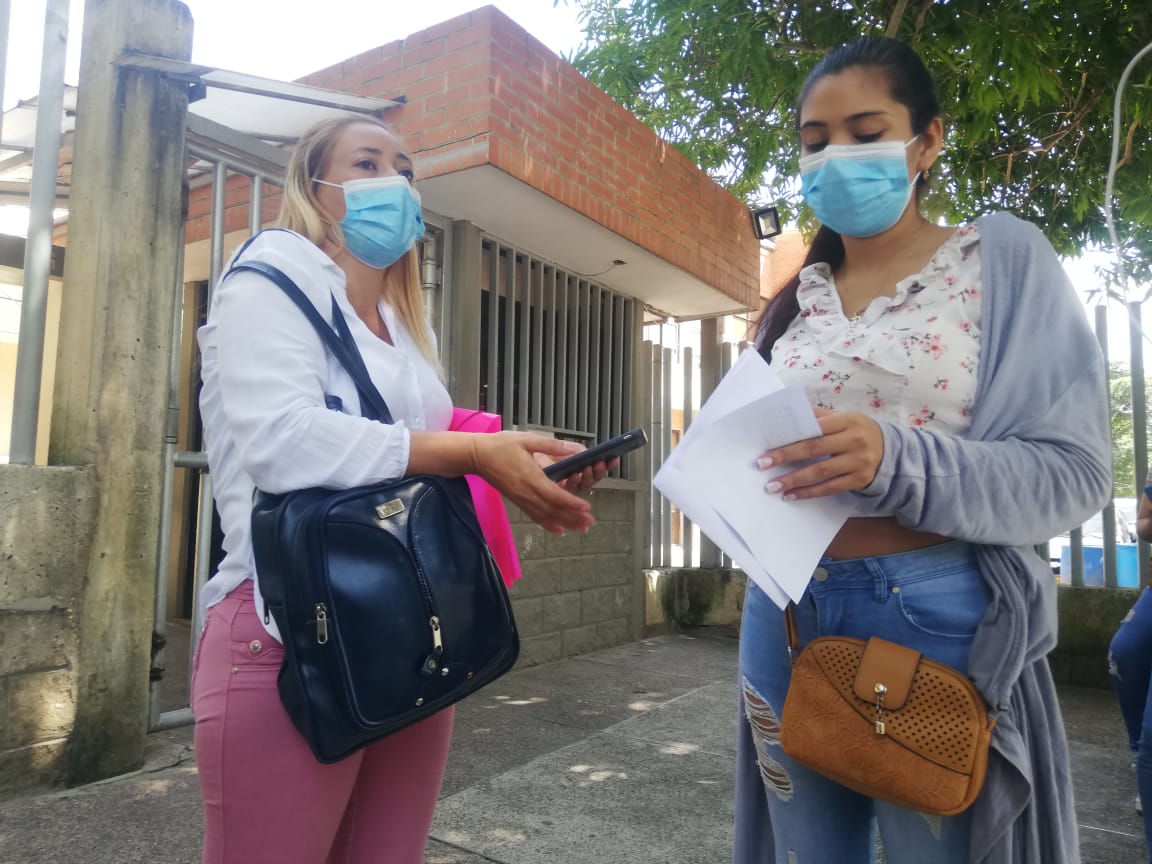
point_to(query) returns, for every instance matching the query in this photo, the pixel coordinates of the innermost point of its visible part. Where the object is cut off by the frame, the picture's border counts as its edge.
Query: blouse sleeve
(272, 371)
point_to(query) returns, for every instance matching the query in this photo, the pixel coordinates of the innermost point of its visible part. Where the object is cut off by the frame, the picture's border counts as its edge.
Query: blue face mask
(857, 190)
(382, 218)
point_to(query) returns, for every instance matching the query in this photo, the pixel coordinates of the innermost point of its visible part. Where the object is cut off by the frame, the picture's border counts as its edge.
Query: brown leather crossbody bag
(886, 722)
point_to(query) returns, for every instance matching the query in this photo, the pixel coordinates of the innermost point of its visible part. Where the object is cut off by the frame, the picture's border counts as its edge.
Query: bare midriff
(867, 537)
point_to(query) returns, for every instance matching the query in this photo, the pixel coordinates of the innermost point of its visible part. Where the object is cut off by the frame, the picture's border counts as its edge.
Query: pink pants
(266, 798)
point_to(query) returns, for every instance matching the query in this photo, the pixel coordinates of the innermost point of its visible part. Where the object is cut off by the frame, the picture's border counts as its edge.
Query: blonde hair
(302, 212)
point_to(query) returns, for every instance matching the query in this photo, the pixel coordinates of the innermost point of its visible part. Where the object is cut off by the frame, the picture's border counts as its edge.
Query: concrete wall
(46, 520)
(580, 592)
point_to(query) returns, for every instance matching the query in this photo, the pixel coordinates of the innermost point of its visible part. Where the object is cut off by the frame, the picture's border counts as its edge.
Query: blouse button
(254, 646)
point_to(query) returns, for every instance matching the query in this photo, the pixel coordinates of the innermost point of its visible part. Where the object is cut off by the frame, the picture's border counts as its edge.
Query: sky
(259, 37)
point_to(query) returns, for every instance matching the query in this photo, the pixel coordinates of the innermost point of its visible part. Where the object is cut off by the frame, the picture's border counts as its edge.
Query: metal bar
(5, 21)
(508, 388)
(227, 143)
(536, 302)
(216, 241)
(38, 250)
(710, 555)
(524, 384)
(1139, 420)
(726, 349)
(572, 366)
(173, 720)
(191, 459)
(581, 370)
(207, 154)
(167, 484)
(550, 356)
(620, 364)
(1076, 556)
(1108, 516)
(657, 391)
(686, 525)
(224, 79)
(256, 205)
(595, 381)
(610, 374)
(491, 382)
(665, 449)
(633, 383)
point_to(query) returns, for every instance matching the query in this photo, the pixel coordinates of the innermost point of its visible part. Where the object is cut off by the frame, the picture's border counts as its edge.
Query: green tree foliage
(1027, 87)
(1123, 450)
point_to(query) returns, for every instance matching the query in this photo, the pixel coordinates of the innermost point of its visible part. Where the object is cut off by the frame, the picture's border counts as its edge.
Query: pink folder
(489, 503)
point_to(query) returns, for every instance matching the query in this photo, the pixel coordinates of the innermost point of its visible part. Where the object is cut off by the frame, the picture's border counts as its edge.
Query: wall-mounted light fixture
(766, 223)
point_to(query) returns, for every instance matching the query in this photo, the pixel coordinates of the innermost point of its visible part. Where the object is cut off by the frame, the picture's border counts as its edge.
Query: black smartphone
(602, 452)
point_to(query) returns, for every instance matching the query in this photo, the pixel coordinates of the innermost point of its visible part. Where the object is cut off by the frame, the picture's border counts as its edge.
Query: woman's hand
(511, 461)
(849, 451)
(582, 481)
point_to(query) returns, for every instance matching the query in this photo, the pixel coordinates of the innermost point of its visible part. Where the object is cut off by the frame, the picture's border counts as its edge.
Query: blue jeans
(931, 600)
(1130, 662)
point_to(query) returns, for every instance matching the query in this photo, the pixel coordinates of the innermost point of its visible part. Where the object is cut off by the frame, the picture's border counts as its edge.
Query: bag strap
(339, 342)
(791, 633)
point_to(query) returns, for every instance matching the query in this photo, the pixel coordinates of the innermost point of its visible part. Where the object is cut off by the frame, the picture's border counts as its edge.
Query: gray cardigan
(1036, 460)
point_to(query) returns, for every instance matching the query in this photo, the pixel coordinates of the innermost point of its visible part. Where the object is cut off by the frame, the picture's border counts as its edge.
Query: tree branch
(1128, 145)
(897, 17)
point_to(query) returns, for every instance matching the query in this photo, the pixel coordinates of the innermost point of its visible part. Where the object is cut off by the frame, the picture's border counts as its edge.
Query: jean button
(819, 574)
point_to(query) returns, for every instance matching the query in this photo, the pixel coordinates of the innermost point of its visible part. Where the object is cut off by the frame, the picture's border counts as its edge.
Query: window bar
(665, 448)
(492, 395)
(551, 354)
(657, 390)
(508, 337)
(686, 525)
(596, 383)
(1139, 420)
(624, 394)
(573, 365)
(610, 373)
(536, 304)
(583, 370)
(523, 381)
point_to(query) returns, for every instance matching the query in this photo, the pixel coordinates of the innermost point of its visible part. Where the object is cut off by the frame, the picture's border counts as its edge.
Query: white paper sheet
(713, 478)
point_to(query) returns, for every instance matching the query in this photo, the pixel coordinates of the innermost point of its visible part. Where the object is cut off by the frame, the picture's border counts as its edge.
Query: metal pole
(5, 20)
(1108, 517)
(1139, 421)
(686, 525)
(38, 250)
(167, 482)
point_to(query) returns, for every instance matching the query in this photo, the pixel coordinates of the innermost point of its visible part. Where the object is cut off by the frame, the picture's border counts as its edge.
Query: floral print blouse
(910, 358)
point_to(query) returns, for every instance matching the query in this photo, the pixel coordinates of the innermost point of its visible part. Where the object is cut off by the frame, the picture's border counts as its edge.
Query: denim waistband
(900, 566)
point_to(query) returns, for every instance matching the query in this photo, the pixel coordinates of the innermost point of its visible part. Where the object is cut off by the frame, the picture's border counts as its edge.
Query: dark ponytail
(911, 85)
(783, 308)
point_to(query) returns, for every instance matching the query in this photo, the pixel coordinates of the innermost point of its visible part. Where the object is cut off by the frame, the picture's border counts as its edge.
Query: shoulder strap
(340, 342)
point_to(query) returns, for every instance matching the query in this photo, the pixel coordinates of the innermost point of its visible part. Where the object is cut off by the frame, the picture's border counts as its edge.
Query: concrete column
(463, 294)
(710, 375)
(124, 232)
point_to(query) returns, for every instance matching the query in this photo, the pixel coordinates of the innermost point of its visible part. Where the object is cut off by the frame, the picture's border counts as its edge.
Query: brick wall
(480, 90)
(577, 591)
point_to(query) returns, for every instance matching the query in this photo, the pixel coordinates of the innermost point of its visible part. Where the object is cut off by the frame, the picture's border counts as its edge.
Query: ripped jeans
(931, 600)
(1130, 663)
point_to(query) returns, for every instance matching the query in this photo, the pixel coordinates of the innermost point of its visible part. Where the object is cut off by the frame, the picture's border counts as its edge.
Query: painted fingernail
(764, 462)
(773, 486)
(788, 497)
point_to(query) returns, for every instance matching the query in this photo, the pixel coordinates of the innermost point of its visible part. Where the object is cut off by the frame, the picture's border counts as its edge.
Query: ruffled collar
(817, 295)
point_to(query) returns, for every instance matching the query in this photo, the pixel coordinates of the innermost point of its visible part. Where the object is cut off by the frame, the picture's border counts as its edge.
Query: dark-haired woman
(961, 398)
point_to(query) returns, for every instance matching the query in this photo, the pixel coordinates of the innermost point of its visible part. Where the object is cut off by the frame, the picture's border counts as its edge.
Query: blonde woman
(280, 414)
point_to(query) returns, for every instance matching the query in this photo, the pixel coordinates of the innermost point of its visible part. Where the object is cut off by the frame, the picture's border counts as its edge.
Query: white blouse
(268, 381)
(909, 359)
